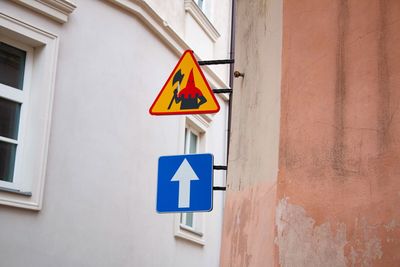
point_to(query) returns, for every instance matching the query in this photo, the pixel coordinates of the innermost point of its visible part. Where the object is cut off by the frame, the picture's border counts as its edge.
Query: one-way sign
(185, 183)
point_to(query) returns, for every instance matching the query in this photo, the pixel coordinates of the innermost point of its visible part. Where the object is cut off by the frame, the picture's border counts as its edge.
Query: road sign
(185, 183)
(186, 91)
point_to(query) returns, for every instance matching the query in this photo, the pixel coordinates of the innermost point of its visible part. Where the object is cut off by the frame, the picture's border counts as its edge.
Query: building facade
(313, 176)
(78, 147)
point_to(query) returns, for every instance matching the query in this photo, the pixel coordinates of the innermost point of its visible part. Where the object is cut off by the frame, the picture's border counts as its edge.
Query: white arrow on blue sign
(185, 183)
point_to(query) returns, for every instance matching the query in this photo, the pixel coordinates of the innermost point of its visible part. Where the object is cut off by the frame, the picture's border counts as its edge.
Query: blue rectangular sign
(185, 183)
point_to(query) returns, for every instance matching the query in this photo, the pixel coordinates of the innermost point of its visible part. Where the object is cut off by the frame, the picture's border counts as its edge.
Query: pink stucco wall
(340, 126)
(338, 188)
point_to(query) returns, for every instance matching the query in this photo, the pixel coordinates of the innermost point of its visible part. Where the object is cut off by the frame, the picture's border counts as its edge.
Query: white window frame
(205, 7)
(196, 234)
(20, 97)
(203, 17)
(26, 191)
(196, 226)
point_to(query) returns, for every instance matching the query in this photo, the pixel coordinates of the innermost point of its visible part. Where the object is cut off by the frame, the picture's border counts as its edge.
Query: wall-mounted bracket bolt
(238, 74)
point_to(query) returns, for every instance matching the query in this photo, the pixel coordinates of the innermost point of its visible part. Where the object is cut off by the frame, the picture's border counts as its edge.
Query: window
(191, 147)
(202, 12)
(200, 3)
(204, 6)
(190, 225)
(27, 74)
(15, 69)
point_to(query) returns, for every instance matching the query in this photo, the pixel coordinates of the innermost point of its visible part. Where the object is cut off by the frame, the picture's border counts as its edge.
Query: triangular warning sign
(186, 91)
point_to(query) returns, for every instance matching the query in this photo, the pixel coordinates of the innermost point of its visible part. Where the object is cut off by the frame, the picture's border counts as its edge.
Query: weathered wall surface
(248, 238)
(339, 186)
(248, 235)
(336, 200)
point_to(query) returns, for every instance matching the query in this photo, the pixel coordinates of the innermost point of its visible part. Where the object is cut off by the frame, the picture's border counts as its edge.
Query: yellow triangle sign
(186, 91)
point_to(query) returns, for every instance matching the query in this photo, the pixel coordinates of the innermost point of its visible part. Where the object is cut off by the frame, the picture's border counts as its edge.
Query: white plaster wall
(171, 11)
(194, 35)
(99, 199)
(183, 23)
(220, 17)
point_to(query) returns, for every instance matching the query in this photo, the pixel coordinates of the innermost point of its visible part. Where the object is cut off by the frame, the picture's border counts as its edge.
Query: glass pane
(193, 143)
(9, 118)
(12, 66)
(185, 147)
(189, 219)
(7, 161)
(200, 3)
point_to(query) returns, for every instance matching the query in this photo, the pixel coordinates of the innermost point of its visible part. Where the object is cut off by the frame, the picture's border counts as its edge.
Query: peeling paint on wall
(373, 251)
(391, 225)
(365, 246)
(303, 243)
(248, 232)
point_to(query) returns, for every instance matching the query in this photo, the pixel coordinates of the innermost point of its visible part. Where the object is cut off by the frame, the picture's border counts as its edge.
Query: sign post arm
(219, 167)
(216, 62)
(219, 188)
(222, 91)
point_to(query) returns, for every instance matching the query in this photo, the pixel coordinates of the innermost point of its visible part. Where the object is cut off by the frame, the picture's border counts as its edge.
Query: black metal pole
(222, 91)
(219, 167)
(231, 70)
(220, 188)
(216, 62)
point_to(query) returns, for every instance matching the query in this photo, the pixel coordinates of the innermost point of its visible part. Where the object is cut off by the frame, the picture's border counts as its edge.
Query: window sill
(190, 229)
(15, 191)
(193, 9)
(186, 233)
